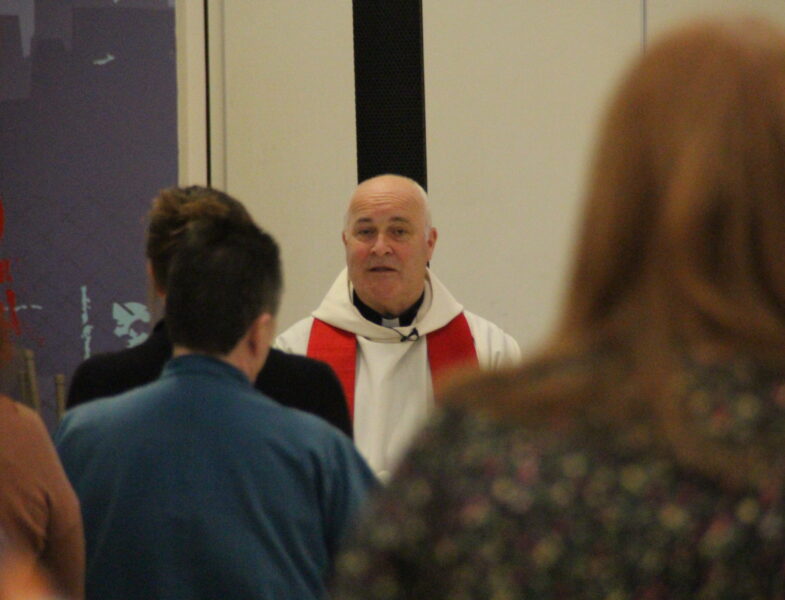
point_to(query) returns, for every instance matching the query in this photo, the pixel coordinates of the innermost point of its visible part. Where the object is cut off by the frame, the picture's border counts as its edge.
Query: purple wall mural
(88, 135)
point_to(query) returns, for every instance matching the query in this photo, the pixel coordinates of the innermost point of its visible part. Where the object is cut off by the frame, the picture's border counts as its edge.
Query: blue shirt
(197, 486)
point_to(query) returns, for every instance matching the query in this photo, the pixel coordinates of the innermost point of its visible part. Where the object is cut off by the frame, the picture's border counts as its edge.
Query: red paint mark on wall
(5, 270)
(13, 318)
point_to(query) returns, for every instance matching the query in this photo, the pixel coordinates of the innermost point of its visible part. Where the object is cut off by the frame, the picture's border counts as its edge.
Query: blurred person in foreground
(640, 454)
(23, 578)
(40, 522)
(196, 485)
(294, 381)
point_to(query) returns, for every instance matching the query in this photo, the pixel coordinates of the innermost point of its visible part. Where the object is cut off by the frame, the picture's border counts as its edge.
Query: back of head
(224, 275)
(173, 209)
(684, 228)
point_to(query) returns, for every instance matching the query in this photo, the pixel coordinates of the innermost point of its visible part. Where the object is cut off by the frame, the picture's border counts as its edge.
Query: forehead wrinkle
(393, 219)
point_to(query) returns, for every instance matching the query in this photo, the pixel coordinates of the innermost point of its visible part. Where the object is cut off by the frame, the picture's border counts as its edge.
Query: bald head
(389, 240)
(387, 184)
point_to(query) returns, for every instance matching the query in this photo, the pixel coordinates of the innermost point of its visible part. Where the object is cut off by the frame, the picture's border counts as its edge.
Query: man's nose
(380, 245)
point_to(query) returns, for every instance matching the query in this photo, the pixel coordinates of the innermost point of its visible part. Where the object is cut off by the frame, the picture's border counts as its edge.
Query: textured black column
(389, 88)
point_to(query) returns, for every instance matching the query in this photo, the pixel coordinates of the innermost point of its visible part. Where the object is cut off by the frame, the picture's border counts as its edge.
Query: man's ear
(158, 291)
(262, 332)
(431, 241)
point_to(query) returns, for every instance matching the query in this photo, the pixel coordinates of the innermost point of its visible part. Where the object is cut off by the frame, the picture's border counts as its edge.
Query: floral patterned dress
(486, 509)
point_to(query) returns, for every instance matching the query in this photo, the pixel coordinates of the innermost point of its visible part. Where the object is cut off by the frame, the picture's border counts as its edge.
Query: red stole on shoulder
(450, 347)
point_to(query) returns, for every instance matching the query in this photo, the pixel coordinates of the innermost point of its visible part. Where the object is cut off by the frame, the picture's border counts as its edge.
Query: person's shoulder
(97, 371)
(295, 373)
(103, 413)
(459, 442)
(495, 347)
(98, 364)
(110, 373)
(154, 349)
(307, 384)
(19, 417)
(34, 469)
(85, 414)
(298, 363)
(477, 320)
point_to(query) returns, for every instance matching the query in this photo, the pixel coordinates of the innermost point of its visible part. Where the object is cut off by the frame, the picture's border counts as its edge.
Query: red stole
(450, 347)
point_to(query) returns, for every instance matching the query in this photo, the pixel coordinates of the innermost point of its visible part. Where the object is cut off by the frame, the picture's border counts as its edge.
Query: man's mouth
(381, 269)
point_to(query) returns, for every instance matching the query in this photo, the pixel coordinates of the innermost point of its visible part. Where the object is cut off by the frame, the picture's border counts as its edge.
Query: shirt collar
(405, 319)
(202, 364)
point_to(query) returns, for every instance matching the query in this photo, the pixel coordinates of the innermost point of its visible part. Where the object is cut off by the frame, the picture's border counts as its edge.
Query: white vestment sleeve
(495, 349)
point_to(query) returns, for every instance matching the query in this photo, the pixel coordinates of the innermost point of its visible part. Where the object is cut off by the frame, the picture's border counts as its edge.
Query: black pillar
(389, 88)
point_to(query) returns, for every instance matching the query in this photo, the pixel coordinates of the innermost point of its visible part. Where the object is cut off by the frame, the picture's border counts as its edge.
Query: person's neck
(403, 319)
(235, 358)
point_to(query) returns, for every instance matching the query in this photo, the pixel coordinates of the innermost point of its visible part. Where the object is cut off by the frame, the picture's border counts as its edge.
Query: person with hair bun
(640, 453)
(295, 381)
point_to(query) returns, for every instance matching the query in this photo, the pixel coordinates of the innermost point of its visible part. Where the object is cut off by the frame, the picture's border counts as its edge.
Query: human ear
(264, 330)
(431, 241)
(158, 291)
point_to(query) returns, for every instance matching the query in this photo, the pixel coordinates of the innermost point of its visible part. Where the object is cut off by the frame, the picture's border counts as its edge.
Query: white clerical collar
(394, 322)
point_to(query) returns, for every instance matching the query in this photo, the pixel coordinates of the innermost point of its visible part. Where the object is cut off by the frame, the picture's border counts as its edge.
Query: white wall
(663, 14)
(513, 93)
(290, 132)
(513, 90)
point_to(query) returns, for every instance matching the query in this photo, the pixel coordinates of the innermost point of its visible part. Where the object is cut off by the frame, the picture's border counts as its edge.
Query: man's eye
(400, 232)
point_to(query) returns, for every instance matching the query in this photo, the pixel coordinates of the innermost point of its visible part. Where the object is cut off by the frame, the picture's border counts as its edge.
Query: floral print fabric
(485, 509)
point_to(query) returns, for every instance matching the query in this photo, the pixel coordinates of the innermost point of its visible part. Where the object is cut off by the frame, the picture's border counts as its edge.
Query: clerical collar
(403, 320)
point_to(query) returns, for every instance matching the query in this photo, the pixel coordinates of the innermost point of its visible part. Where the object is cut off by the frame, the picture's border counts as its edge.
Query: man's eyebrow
(369, 220)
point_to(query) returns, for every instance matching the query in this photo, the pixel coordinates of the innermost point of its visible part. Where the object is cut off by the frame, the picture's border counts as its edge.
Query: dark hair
(173, 209)
(680, 251)
(224, 274)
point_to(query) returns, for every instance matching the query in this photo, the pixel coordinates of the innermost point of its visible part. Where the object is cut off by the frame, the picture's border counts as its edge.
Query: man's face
(387, 248)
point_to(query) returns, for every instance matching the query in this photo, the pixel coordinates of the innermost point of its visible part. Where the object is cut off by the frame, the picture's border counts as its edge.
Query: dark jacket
(295, 381)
